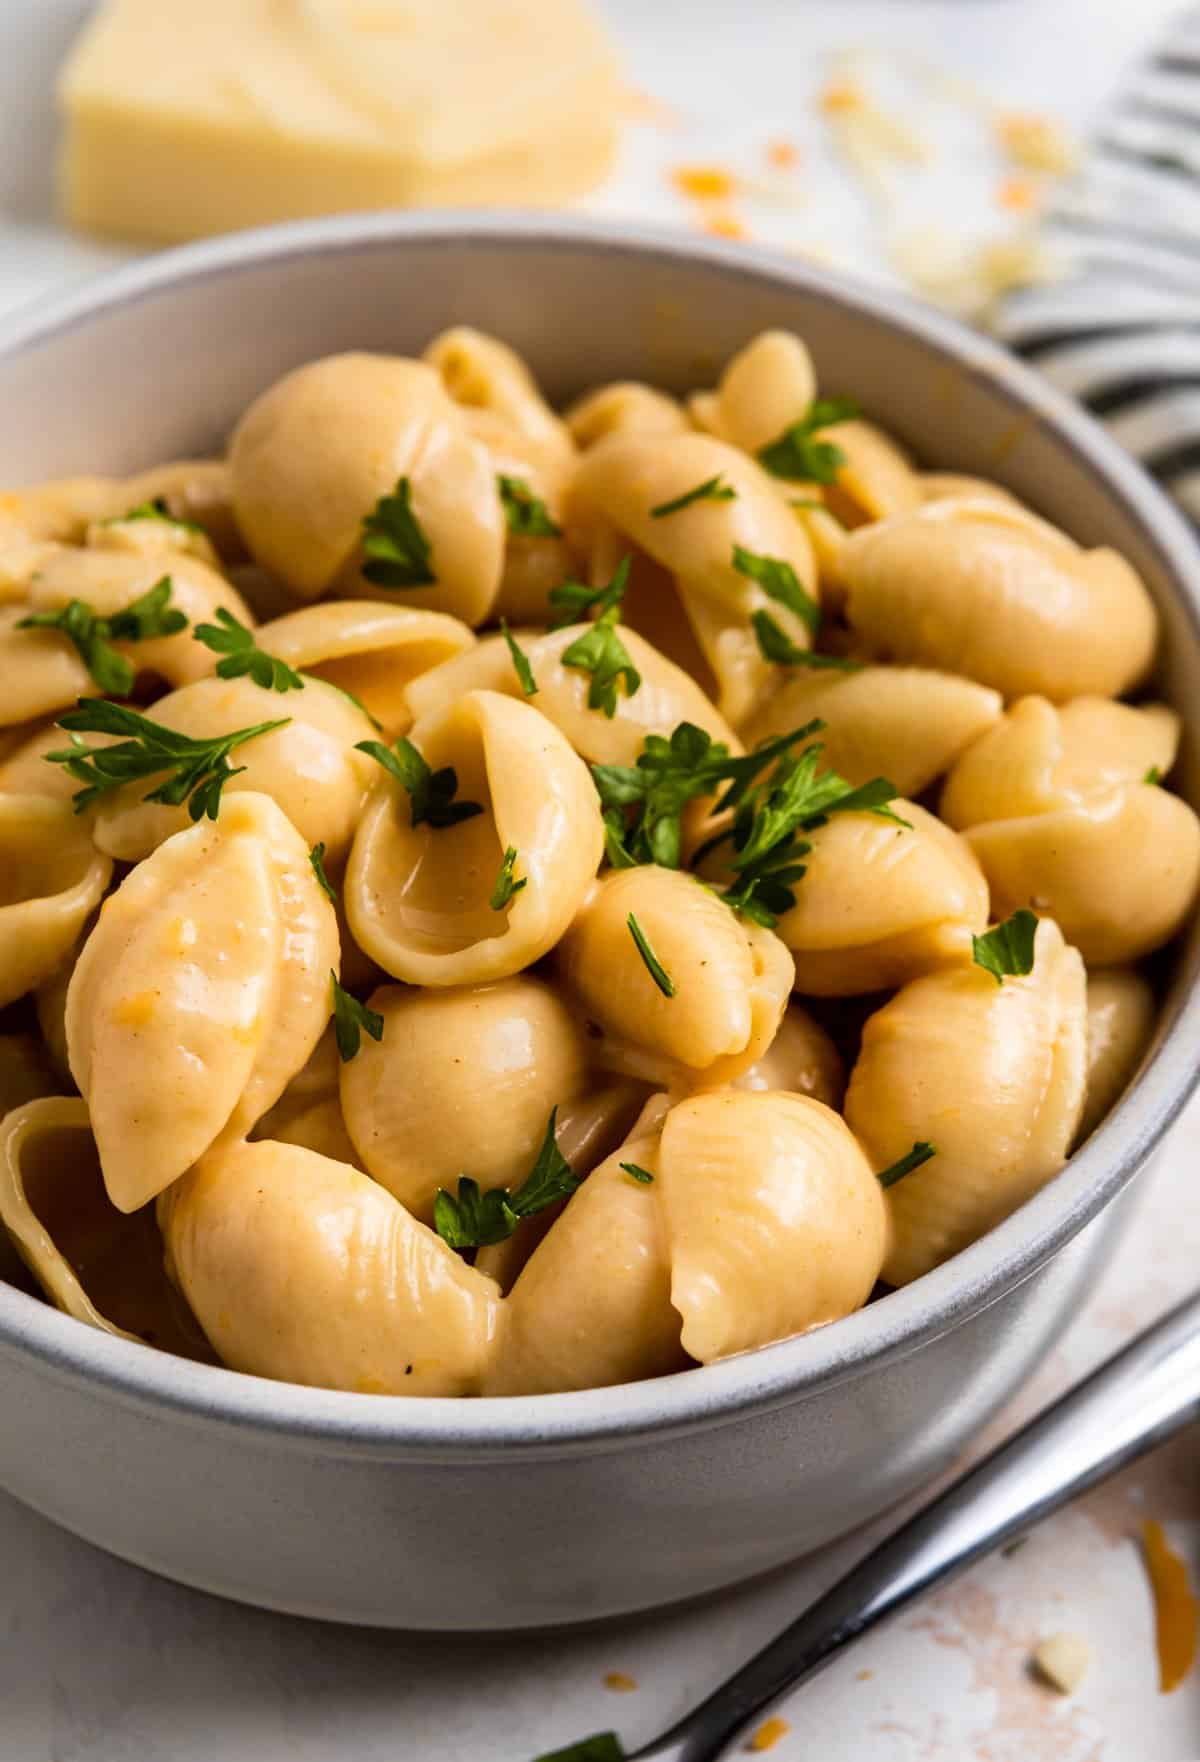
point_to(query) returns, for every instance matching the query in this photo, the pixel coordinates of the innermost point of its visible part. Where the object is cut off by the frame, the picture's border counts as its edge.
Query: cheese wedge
(186, 119)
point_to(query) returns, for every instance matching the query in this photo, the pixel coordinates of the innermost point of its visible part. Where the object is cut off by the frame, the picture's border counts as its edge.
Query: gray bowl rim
(287, 1414)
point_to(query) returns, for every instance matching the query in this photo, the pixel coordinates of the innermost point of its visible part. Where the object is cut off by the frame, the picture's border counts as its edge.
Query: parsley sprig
(711, 490)
(197, 770)
(243, 657)
(573, 602)
(157, 510)
(527, 517)
(1007, 951)
(351, 1020)
(506, 883)
(397, 551)
(477, 1219)
(150, 616)
(779, 582)
(920, 1154)
(316, 857)
(431, 792)
(520, 661)
(600, 651)
(652, 963)
(799, 454)
(776, 645)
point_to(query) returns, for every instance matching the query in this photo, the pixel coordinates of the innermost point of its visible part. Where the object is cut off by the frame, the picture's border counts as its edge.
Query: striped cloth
(1122, 333)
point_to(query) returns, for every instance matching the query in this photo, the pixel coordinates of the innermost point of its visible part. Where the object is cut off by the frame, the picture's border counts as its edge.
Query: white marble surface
(101, 1663)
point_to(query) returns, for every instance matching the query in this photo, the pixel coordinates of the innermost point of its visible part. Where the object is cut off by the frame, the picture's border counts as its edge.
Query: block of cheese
(188, 117)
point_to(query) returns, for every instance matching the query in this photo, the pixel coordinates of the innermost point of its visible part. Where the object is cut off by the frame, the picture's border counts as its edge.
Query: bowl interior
(157, 362)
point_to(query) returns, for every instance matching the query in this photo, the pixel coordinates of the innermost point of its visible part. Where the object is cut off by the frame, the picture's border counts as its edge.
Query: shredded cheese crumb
(1175, 1607)
(620, 1683)
(768, 1735)
(1062, 1661)
(725, 226)
(783, 155)
(841, 95)
(1037, 143)
(1019, 194)
(704, 183)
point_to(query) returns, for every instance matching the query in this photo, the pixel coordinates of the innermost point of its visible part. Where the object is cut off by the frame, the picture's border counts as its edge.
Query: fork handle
(1133, 1401)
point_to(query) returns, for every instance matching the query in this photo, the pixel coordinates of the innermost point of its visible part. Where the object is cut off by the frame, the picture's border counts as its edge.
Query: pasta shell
(875, 478)
(309, 768)
(1039, 757)
(309, 1112)
(1119, 872)
(592, 1306)
(110, 580)
(731, 978)
(164, 539)
(200, 490)
(26, 770)
(462, 1082)
(775, 1223)
(1000, 596)
(625, 478)
(764, 388)
(591, 1126)
(881, 903)
(303, 1269)
(93, 1262)
(314, 454)
(58, 512)
(801, 1059)
(625, 407)
(956, 486)
(418, 898)
(51, 877)
(532, 565)
(905, 723)
(993, 1075)
(483, 374)
(1120, 1023)
(369, 650)
(202, 990)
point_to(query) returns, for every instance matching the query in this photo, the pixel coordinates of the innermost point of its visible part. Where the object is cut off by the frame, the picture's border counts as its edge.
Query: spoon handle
(1133, 1401)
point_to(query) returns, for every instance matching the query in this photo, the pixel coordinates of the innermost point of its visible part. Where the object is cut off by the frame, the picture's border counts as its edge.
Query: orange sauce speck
(783, 155)
(704, 183)
(1175, 1607)
(768, 1735)
(620, 1683)
(865, 1675)
(841, 95)
(725, 226)
(1017, 193)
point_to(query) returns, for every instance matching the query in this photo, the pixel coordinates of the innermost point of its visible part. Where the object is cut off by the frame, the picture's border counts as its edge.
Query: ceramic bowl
(487, 1514)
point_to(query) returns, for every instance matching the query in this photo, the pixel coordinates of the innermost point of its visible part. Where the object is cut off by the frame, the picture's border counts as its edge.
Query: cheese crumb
(1062, 1661)
(703, 183)
(1037, 143)
(620, 1683)
(768, 1735)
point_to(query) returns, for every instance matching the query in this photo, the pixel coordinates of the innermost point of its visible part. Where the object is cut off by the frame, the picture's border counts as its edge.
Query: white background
(99, 1661)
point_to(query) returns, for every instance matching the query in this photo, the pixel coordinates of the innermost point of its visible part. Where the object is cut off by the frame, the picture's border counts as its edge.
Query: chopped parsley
(776, 645)
(600, 651)
(397, 552)
(197, 770)
(243, 657)
(779, 582)
(527, 516)
(351, 1020)
(919, 1154)
(506, 884)
(520, 661)
(157, 510)
(799, 454)
(711, 490)
(1153, 775)
(605, 1746)
(639, 1174)
(654, 966)
(475, 1218)
(1007, 951)
(92, 636)
(316, 857)
(431, 792)
(573, 602)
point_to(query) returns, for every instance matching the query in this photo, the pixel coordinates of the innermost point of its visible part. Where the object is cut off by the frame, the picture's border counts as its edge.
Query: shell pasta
(499, 899)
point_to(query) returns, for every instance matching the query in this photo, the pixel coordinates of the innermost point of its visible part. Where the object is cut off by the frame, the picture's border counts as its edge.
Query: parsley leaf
(775, 645)
(1007, 951)
(149, 616)
(641, 1175)
(197, 770)
(573, 601)
(780, 582)
(157, 510)
(527, 516)
(798, 453)
(654, 966)
(397, 552)
(351, 1020)
(506, 886)
(920, 1153)
(1153, 775)
(478, 1219)
(520, 661)
(605, 1746)
(600, 651)
(711, 490)
(243, 656)
(432, 792)
(316, 857)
